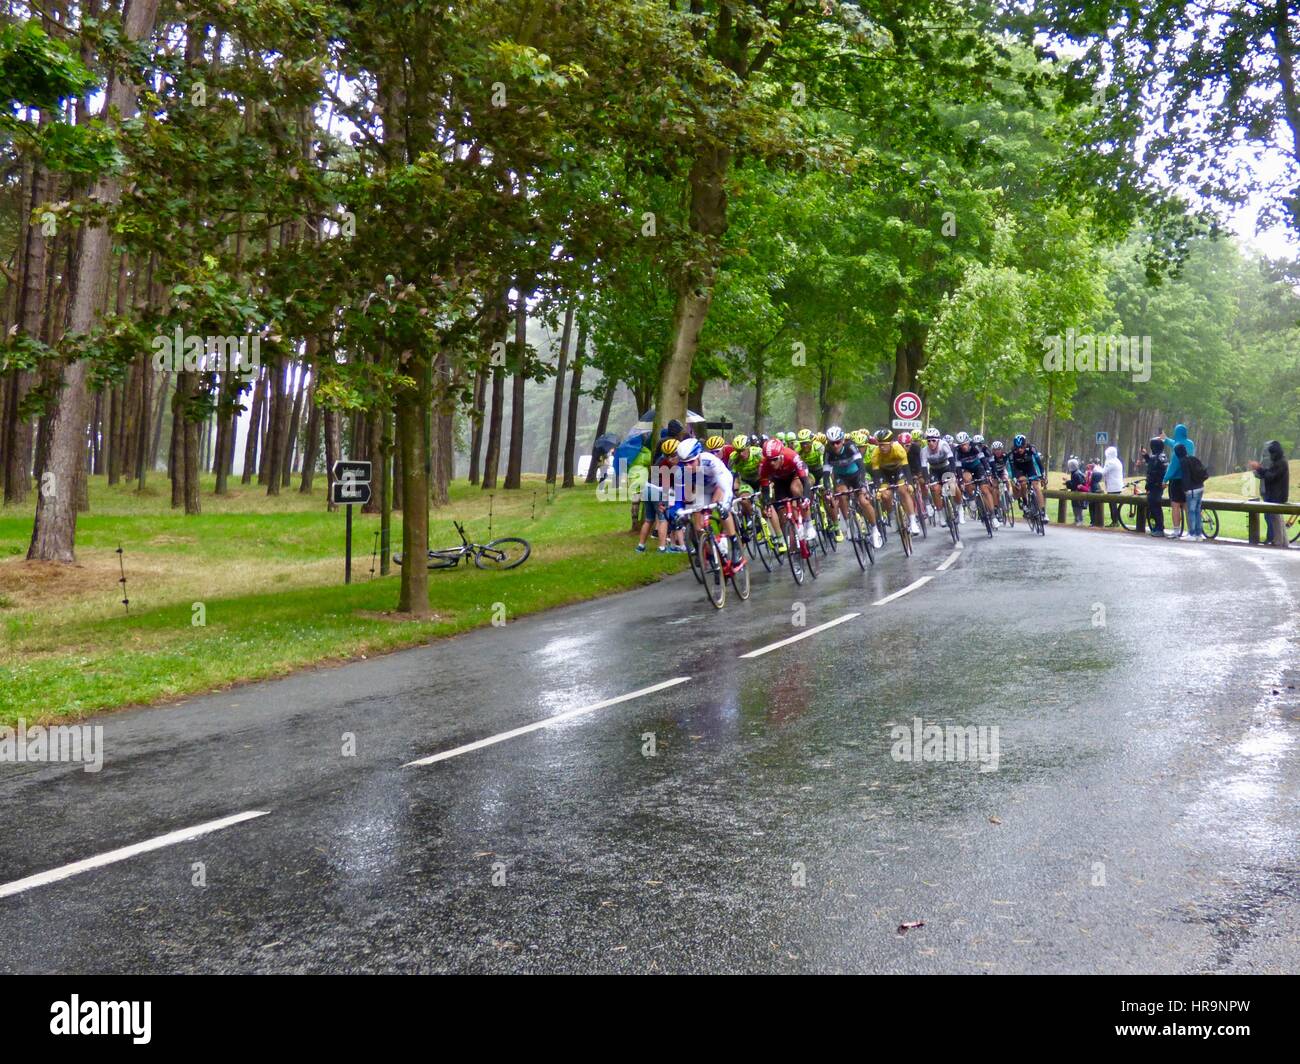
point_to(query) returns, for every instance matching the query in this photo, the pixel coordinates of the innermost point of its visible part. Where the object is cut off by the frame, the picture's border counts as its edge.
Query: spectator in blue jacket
(1174, 480)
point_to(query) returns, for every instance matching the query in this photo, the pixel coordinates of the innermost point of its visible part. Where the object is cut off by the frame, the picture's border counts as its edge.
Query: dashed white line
(900, 593)
(113, 856)
(802, 635)
(491, 740)
(956, 553)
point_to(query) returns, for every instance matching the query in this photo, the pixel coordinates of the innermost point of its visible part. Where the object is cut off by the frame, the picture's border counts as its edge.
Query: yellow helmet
(669, 446)
(805, 435)
(820, 438)
(714, 443)
(740, 442)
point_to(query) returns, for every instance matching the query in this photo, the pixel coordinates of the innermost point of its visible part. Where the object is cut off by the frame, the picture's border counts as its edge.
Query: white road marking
(899, 594)
(537, 725)
(113, 856)
(802, 635)
(950, 559)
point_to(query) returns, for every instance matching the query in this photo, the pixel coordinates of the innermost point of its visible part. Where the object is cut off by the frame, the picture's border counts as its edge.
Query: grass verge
(265, 576)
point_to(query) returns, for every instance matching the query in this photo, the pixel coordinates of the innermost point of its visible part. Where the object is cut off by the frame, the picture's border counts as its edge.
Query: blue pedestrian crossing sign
(1103, 437)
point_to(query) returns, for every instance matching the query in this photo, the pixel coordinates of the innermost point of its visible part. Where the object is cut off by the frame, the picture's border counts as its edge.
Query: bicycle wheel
(444, 559)
(715, 583)
(858, 538)
(900, 523)
(818, 521)
(764, 548)
(1128, 516)
(950, 515)
(739, 577)
(1210, 523)
(791, 537)
(1296, 538)
(508, 552)
(984, 514)
(922, 511)
(693, 551)
(811, 562)
(1008, 508)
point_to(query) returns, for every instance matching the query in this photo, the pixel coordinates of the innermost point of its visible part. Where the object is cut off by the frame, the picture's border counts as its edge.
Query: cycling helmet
(805, 435)
(962, 437)
(884, 436)
(740, 442)
(763, 437)
(669, 447)
(834, 434)
(977, 439)
(773, 448)
(820, 437)
(688, 450)
(714, 443)
(905, 438)
(1019, 441)
(932, 433)
(998, 445)
(947, 438)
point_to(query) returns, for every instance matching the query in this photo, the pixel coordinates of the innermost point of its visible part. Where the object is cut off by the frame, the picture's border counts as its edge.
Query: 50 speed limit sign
(907, 406)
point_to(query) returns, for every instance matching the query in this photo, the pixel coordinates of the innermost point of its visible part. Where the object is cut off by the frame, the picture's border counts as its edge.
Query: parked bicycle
(508, 552)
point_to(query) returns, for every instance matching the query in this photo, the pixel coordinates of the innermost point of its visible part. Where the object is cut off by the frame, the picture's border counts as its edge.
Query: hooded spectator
(1156, 463)
(1194, 477)
(1274, 486)
(1113, 475)
(1075, 481)
(1096, 485)
(1174, 479)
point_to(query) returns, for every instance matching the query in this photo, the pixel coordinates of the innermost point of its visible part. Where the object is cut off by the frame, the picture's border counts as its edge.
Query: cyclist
(705, 478)
(1026, 467)
(937, 459)
(814, 457)
(889, 468)
(974, 468)
(718, 445)
(847, 467)
(786, 472)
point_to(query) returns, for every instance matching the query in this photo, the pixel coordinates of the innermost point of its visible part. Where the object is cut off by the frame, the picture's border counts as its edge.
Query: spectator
(1113, 474)
(1174, 478)
(1076, 481)
(658, 502)
(1274, 486)
(1194, 477)
(1096, 485)
(1156, 462)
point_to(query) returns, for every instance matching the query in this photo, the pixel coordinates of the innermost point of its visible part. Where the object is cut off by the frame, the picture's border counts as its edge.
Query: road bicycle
(1029, 508)
(1128, 513)
(508, 552)
(982, 512)
(795, 530)
(859, 537)
(924, 505)
(898, 517)
(1006, 503)
(709, 566)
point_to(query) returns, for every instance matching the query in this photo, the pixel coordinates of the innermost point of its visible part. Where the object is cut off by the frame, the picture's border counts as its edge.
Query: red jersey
(725, 454)
(784, 467)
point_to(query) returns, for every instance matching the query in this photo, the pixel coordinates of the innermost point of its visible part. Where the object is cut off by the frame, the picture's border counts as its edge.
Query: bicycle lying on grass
(508, 552)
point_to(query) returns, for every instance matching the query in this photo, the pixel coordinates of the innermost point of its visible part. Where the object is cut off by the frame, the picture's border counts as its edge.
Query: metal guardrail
(1239, 506)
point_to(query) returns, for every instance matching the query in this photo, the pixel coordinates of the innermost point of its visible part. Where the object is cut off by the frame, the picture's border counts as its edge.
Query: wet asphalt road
(1142, 816)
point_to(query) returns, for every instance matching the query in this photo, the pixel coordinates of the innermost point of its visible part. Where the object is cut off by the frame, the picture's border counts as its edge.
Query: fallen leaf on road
(994, 820)
(910, 925)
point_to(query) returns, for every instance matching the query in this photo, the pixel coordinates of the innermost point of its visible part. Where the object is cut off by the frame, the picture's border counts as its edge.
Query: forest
(463, 239)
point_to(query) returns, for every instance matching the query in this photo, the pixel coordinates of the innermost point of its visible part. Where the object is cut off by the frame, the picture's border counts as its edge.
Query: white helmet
(962, 437)
(931, 433)
(834, 434)
(977, 438)
(689, 449)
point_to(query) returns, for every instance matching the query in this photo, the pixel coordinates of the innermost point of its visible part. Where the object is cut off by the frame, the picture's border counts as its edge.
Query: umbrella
(647, 420)
(606, 443)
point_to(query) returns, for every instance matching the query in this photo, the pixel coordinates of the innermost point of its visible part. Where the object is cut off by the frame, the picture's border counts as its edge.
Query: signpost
(907, 411)
(351, 485)
(1103, 438)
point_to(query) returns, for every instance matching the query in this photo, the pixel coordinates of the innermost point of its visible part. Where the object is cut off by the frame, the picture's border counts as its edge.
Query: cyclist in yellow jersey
(889, 468)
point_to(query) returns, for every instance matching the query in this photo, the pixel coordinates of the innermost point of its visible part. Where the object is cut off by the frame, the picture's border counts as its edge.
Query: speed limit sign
(907, 405)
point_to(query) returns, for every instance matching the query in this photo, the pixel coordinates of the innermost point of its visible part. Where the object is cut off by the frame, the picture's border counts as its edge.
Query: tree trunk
(575, 396)
(54, 530)
(476, 431)
(333, 435)
(413, 597)
(493, 456)
(515, 461)
(254, 429)
(557, 405)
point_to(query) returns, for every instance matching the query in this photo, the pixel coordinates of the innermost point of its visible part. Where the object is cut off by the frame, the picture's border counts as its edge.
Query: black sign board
(350, 491)
(347, 469)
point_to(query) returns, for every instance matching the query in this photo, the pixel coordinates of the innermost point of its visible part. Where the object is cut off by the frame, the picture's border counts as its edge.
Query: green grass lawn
(269, 576)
